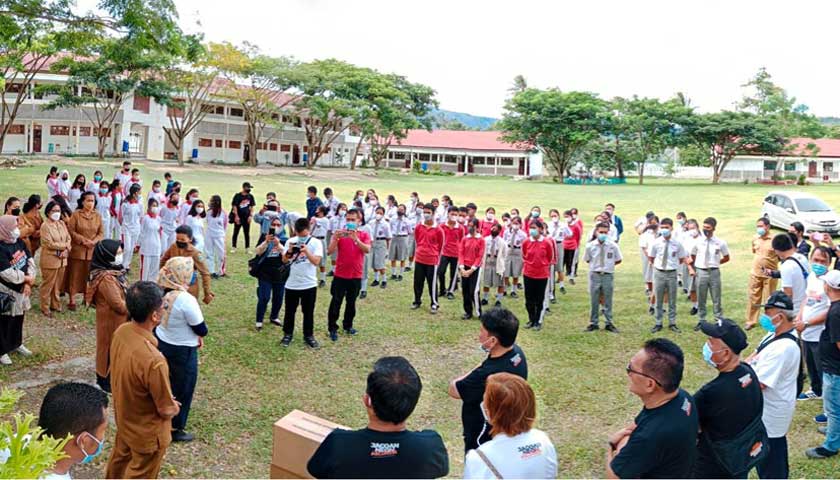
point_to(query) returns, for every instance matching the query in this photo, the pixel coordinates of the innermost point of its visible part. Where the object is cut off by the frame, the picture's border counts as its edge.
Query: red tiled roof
(827, 147)
(459, 140)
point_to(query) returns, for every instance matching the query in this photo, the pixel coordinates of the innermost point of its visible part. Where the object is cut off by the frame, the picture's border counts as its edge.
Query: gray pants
(708, 281)
(600, 283)
(665, 281)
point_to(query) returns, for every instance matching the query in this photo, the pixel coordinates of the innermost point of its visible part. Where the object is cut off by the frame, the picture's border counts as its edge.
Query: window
(783, 202)
(424, 157)
(14, 87)
(236, 112)
(399, 155)
(769, 165)
(479, 160)
(59, 130)
(272, 147)
(770, 199)
(141, 104)
(828, 167)
(205, 142)
(16, 130)
(234, 144)
(275, 117)
(206, 108)
(219, 143)
(285, 148)
(811, 205)
(84, 131)
(107, 132)
(220, 110)
(506, 161)
(790, 166)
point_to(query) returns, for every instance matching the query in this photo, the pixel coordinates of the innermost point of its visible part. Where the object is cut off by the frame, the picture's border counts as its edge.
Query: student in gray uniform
(398, 251)
(414, 215)
(381, 234)
(602, 255)
(493, 264)
(318, 227)
(513, 237)
(666, 255)
(338, 222)
(366, 227)
(707, 255)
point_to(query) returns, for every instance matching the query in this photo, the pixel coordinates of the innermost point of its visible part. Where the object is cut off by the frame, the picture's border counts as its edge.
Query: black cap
(246, 185)
(778, 299)
(728, 332)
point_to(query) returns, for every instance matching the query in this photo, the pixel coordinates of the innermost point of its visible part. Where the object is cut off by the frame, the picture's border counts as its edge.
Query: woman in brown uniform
(30, 224)
(106, 292)
(85, 227)
(183, 247)
(55, 249)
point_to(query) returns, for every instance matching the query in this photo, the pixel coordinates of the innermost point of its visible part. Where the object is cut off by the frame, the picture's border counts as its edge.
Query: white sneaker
(24, 351)
(232, 250)
(5, 360)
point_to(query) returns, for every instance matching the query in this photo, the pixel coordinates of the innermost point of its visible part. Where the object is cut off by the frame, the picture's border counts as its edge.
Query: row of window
(453, 159)
(62, 131)
(235, 144)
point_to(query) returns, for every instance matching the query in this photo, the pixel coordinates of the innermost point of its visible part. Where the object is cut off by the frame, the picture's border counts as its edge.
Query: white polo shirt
(676, 253)
(602, 257)
(708, 252)
(527, 455)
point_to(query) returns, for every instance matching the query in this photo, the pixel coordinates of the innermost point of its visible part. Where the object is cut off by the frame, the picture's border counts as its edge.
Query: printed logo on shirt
(379, 450)
(528, 451)
(686, 407)
(610, 255)
(516, 360)
(18, 261)
(756, 449)
(746, 381)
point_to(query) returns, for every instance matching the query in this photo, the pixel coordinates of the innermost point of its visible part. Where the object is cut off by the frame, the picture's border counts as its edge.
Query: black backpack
(800, 378)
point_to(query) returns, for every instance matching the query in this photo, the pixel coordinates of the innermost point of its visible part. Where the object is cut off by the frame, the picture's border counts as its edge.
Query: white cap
(832, 279)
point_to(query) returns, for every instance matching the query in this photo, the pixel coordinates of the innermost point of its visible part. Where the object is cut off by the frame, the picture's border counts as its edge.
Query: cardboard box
(296, 437)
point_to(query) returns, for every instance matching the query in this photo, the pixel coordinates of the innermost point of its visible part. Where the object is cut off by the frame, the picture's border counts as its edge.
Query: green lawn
(247, 381)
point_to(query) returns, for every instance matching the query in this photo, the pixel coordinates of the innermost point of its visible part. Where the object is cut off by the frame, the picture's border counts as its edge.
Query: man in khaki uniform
(143, 401)
(764, 260)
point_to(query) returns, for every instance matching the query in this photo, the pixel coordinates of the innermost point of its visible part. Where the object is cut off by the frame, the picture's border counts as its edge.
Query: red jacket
(429, 244)
(537, 258)
(451, 239)
(572, 241)
(471, 251)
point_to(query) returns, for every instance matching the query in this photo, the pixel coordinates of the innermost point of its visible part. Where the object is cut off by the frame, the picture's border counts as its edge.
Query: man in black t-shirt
(496, 336)
(830, 358)
(728, 404)
(662, 443)
(241, 208)
(385, 449)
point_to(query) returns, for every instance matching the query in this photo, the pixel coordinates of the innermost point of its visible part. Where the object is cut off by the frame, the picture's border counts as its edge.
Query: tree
(555, 122)
(726, 134)
(264, 93)
(770, 101)
(519, 84)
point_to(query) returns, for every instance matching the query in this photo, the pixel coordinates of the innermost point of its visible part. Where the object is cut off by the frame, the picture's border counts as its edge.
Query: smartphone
(818, 237)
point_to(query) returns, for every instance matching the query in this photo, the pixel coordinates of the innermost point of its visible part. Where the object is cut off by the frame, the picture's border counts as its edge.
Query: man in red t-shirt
(453, 232)
(429, 240)
(351, 245)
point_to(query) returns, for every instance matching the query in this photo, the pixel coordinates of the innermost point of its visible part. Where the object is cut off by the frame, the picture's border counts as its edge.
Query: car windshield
(811, 205)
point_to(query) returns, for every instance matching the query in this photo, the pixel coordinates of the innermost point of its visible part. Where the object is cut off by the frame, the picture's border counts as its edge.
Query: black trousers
(183, 377)
(535, 298)
(469, 290)
(452, 264)
(812, 361)
(306, 300)
(343, 289)
(568, 260)
(245, 226)
(424, 273)
(776, 464)
(11, 333)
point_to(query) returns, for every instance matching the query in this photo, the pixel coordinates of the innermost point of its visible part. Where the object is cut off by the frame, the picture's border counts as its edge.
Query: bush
(30, 455)
(801, 180)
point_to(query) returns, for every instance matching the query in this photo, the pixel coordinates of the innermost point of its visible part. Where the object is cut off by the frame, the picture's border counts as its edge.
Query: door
(246, 153)
(786, 211)
(36, 139)
(521, 166)
(462, 164)
(408, 160)
(295, 155)
(470, 168)
(812, 169)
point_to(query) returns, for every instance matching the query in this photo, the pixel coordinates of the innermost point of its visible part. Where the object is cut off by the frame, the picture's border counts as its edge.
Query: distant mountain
(445, 119)
(830, 120)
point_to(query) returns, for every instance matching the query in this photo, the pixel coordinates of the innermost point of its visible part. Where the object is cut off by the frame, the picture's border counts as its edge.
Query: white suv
(785, 207)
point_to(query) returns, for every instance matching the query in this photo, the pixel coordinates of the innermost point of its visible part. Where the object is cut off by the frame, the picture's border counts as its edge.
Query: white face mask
(155, 210)
(490, 217)
(118, 259)
(379, 216)
(55, 216)
(453, 218)
(15, 234)
(199, 210)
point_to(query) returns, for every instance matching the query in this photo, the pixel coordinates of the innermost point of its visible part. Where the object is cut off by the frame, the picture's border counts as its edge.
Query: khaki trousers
(127, 463)
(758, 290)
(52, 280)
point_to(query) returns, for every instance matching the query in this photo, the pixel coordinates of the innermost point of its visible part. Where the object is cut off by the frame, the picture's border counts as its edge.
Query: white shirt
(816, 302)
(150, 236)
(689, 238)
(676, 253)
(185, 313)
(197, 225)
(319, 228)
(303, 274)
(716, 248)
(558, 230)
(777, 367)
(602, 257)
(131, 214)
(527, 455)
(216, 226)
(380, 229)
(400, 226)
(73, 197)
(793, 278)
(646, 239)
(169, 218)
(103, 206)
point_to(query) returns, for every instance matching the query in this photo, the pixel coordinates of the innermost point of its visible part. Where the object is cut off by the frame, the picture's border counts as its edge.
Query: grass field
(247, 381)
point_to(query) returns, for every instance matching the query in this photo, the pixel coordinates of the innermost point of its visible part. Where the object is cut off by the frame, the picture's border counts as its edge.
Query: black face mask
(16, 212)
(494, 233)
(181, 244)
(708, 233)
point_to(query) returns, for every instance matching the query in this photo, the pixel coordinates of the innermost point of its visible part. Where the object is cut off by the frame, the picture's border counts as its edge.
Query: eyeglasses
(630, 370)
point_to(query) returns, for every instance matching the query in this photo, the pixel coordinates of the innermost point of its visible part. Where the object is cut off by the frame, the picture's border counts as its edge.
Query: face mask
(535, 214)
(761, 231)
(379, 216)
(65, 178)
(708, 233)
(766, 322)
(707, 355)
(278, 230)
(453, 218)
(181, 244)
(118, 259)
(484, 348)
(342, 212)
(400, 214)
(819, 269)
(427, 216)
(494, 233)
(97, 178)
(374, 203)
(555, 219)
(681, 221)
(490, 217)
(103, 191)
(155, 210)
(665, 232)
(55, 216)
(156, 189)
(351, 226)
(567, 219)
(16, 212)
(534, 233)
(90, 456)
(514, 227)
(199, 210)
(693, 233)
(462, 220)
(602, 237)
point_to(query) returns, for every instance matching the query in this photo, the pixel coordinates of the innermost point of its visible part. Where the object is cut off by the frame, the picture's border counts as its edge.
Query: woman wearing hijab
(85, 228)
(17, 274)
(106, 292)
(30, 221)
(55, 249)
(180, 335)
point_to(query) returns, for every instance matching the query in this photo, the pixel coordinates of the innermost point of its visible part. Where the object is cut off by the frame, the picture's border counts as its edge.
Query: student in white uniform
(131, 211)
(370, 206)
(493, 265)
(192, 195)
(602, 254)
(331, 202)
(75, 192)
(337, 222)
(707, 255)
(124, 176)
(414, 215)
(195, 220)
(64, 185)
(381, 239)
(319, 225)
(646, 240)
(517, 450)
(514, 237)
(557, 230)
(689, 238)
(103, 208)
(150, 246)
(366, 227)
(398, 250)
(93, 185)
(391, 208)
(116, 209)
(157, 193)
(217, 222)
(665, 256)
(680, 221)
(169, 220)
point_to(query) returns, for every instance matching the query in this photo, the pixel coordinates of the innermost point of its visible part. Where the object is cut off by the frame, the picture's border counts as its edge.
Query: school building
(464, 152)
(817, 159)
(140, 130)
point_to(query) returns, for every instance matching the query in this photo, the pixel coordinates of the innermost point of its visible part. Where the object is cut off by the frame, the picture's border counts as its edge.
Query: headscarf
(101, 266)
(7, 224)
(175, 276)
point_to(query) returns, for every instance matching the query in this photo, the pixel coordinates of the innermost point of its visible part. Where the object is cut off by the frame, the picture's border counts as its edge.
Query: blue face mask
(707, 355)
(760, 231)
(302, 239)
(351, 225)
(665, 232)
(819, 269)
(90, 456)
(534, 233)
(766, 322)
(602, 237)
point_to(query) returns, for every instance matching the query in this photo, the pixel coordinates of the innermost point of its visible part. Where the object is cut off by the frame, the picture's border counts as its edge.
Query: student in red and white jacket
(537, 257)
(470, 255)
(429, 239)
(453, 232)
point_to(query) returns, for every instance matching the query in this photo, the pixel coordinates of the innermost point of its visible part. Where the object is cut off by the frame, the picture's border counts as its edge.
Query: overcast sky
(469, 51)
